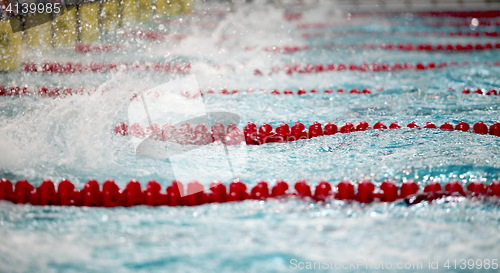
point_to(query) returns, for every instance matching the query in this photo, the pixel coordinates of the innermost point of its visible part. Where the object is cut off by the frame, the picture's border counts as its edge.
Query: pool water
(72, 137)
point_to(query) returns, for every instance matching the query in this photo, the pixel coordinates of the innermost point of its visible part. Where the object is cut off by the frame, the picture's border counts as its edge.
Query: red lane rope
(183, 68)
(364, 67)
(300, 91)
(91, 195)
(201, 135)
(86, 48)
(485, 14)
(155, 35)
(292, 16)
(54, 91)
(466, 23)
(72, 67)
(407, 33)
(461, 14)
(449, 47)
(436, 47)
(491, 92)
(44, 91)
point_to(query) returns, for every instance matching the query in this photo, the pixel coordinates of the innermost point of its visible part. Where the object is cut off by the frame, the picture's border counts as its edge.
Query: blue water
(73, 137)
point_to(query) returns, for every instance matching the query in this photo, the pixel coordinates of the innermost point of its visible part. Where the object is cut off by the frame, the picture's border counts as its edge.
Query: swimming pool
(240, 47)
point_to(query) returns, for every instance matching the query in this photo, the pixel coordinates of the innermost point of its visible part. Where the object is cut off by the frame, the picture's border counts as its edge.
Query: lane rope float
(155, 35)
(44, 91)
(110, 195)
(86, 48)
(440, 47)
(55, 91)
(78, 67)
(310, 68)
(185, 134)
(303, 91)
(482, 14)
(184, 68)
(434, 47)
(479, 91)
(332, 34)
(465, 23)
(300, 91)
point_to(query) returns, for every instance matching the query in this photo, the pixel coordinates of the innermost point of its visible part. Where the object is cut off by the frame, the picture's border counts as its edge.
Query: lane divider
(160, 36)
(44, 91)
(86, 48)
(292, 16)
(300, 91)
(449, 47)
(313, 35)
(78, 67)
(436, 47)
(155, 35)
(185, 134)
(464, 23)
(459, 14)
(54, 91)
(310, 68)
(482, 14)
(110, 195)
(184, 68)
(491, 92)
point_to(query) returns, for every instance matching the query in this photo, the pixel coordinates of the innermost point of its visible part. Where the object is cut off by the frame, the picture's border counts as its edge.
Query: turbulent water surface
(73, 137)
